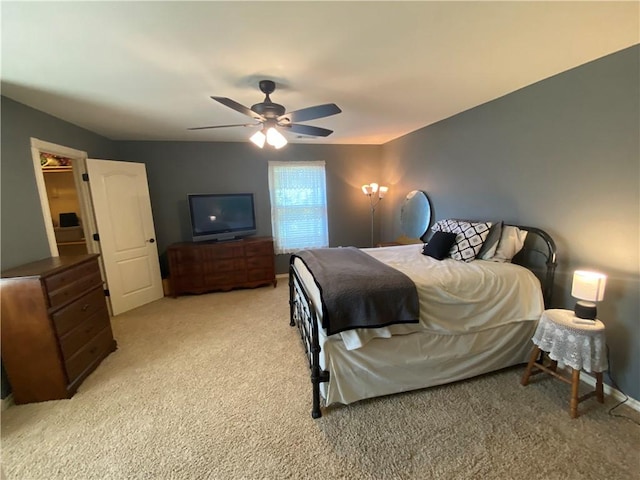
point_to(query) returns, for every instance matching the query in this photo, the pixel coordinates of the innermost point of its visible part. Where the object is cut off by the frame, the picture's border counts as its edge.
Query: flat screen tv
(219, 217)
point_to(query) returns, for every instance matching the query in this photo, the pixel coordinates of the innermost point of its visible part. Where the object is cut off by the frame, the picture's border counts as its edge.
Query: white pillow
(511, 242)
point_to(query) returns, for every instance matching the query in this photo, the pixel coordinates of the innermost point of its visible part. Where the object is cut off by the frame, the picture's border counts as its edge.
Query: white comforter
(455, 297)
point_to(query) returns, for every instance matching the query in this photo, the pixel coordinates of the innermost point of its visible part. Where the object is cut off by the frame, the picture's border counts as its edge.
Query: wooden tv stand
(199, 267)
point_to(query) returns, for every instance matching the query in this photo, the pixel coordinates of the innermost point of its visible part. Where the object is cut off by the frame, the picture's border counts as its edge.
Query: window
(298, 205)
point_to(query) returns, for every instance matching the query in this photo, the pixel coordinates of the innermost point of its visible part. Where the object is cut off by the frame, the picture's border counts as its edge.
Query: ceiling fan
(272, 116)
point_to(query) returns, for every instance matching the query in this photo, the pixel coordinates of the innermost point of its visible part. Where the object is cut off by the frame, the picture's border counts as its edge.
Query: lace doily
(580, 346)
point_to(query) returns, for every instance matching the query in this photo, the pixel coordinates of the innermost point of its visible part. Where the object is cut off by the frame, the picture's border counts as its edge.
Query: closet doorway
(64, 204)
(65, 198)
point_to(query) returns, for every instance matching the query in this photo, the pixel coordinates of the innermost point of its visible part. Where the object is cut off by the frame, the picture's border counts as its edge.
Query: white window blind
(298, 205)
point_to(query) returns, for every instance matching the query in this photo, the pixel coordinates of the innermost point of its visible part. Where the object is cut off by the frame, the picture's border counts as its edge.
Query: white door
(122, 207)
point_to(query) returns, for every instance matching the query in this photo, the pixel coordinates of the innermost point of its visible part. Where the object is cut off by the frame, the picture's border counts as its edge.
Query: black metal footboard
(303, 314)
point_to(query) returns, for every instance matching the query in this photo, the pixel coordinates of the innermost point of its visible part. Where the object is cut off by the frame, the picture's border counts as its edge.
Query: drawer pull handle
(85, 307)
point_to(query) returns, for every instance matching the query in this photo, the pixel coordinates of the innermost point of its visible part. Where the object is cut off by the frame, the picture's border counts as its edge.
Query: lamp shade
(275, 138)
(588, 286)
(373, 188)
(258, 138)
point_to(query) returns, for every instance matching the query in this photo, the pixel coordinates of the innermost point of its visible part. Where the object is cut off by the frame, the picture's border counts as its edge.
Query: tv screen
(221, 216)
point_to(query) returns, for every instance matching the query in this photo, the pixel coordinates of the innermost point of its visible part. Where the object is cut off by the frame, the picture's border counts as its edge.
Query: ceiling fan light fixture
(275, 138)
(258, 138)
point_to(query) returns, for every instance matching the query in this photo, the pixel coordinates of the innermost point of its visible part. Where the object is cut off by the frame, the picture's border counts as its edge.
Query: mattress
(455, 297)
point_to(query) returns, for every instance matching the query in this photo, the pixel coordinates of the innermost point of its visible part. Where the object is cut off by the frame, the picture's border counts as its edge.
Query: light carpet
(217, 386)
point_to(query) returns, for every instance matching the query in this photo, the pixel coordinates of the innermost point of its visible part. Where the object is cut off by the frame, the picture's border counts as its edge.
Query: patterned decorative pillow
(445, 225)
(469, 239)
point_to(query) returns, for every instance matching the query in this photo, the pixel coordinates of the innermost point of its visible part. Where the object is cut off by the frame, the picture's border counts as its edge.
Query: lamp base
(586, 310)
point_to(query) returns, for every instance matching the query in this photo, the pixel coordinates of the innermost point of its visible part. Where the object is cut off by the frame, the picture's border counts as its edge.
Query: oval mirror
(415, 214)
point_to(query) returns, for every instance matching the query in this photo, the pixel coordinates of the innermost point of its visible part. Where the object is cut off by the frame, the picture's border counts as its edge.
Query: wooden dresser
(208, 266)
(55, 326)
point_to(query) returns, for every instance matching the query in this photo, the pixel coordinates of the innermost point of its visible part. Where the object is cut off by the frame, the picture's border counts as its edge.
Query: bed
(474, 317)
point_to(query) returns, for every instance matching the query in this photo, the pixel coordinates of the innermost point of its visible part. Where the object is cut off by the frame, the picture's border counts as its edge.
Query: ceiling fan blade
(239, 107)
(225, 126)
(311, 113)
(309, 130)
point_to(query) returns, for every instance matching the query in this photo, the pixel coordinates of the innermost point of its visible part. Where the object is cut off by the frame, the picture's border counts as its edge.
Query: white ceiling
(146, 70)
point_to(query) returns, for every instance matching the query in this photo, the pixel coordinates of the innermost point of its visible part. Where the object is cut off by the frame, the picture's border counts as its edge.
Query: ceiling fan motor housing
(268, 109)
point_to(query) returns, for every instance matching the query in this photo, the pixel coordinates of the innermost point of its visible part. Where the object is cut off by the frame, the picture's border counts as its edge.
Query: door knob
(152, 240)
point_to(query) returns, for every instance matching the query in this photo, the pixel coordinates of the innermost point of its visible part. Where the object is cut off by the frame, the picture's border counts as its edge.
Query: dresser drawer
(260, 274)
(83, 333)
(220, 250)
(184, 255)
(186, 283)
(223, 279)
(74, 289)
(258, 248)
(224, 265)
(60, 280)
(72, 315)
(187, 269)
(260, 262)
(87, 356)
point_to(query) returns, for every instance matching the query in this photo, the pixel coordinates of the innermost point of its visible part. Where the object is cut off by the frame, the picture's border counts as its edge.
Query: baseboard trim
(613, 392)
(7, 402)
(282, 275)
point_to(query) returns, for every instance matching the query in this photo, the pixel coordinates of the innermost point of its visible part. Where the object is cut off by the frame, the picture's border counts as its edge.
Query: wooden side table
(573, 342)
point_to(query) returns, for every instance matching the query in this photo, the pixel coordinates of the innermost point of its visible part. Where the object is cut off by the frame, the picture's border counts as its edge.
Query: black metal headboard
(540, 256)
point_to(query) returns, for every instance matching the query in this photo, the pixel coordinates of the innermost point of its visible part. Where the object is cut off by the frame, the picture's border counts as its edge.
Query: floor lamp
(375, 193)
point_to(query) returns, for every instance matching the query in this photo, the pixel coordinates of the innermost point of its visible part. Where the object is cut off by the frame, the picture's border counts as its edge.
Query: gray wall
(23, 233)
(563, 155)
(175, 169)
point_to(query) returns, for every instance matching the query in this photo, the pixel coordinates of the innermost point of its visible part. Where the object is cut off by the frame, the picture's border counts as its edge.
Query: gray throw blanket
(359, 291)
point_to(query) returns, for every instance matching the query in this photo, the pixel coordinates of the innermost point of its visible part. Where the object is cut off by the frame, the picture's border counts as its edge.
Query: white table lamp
(588, 288)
